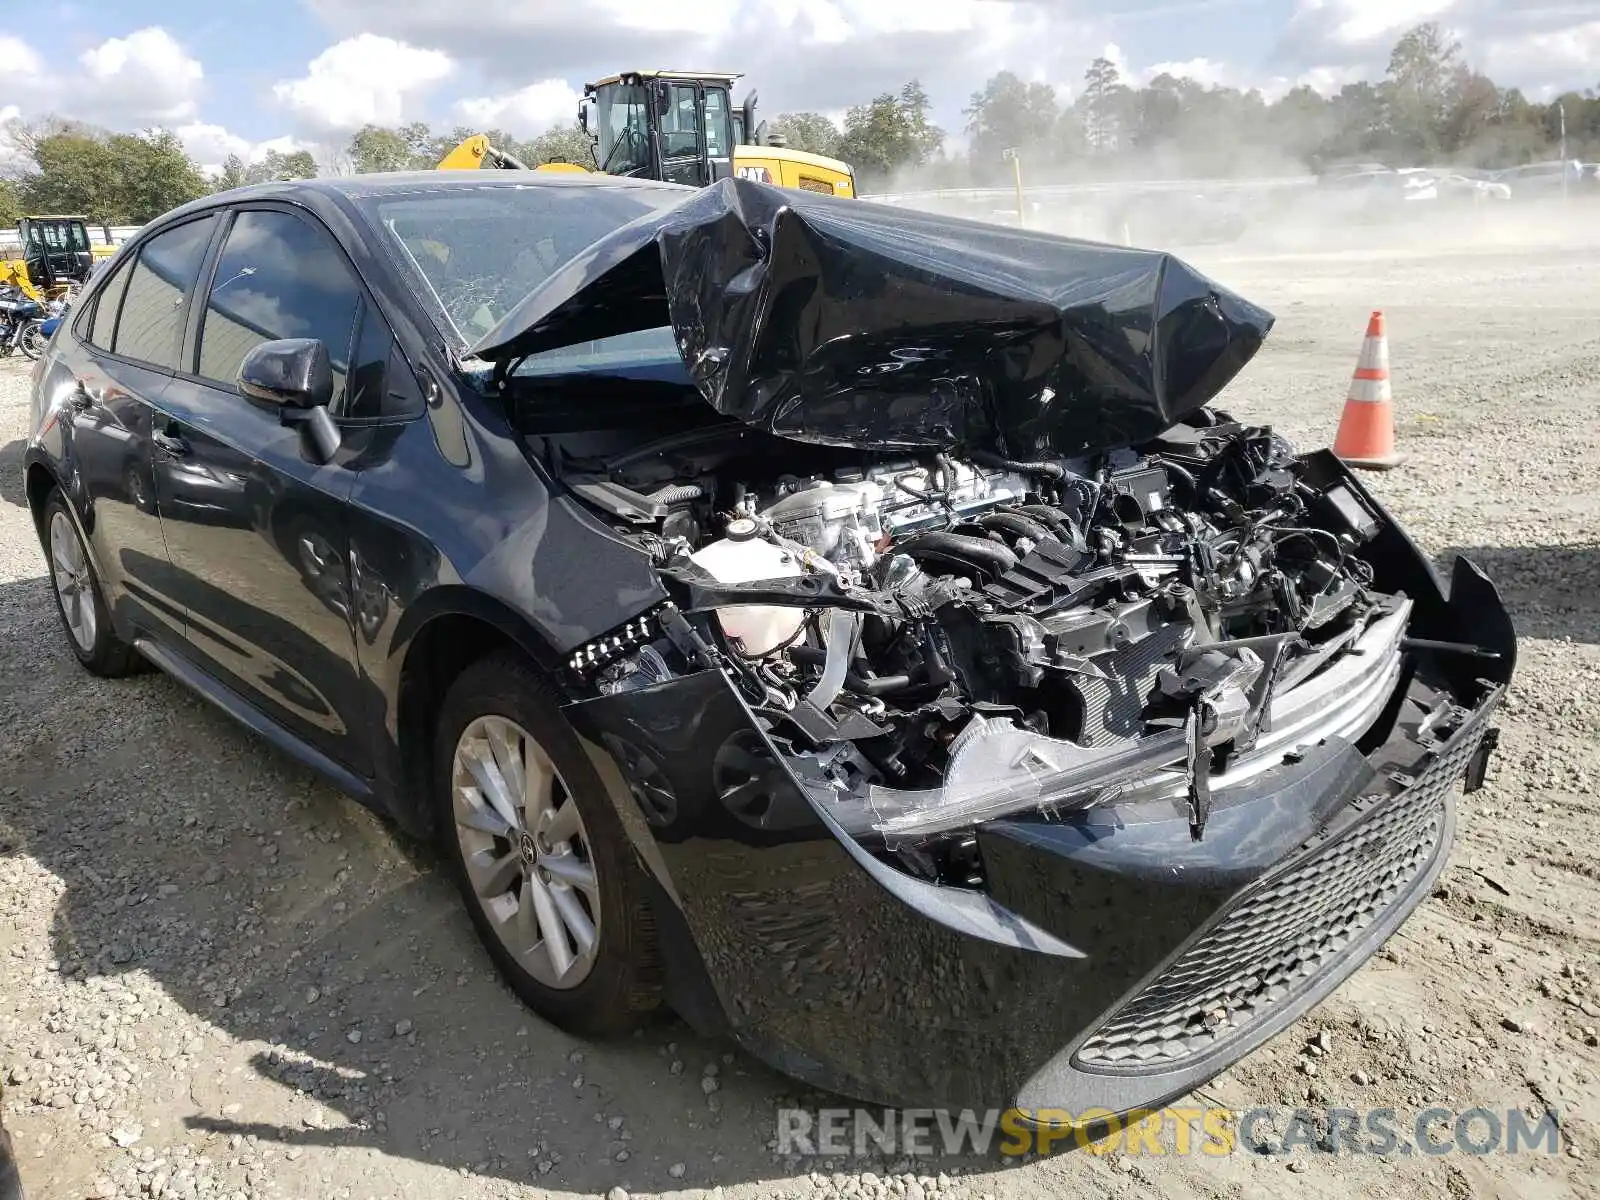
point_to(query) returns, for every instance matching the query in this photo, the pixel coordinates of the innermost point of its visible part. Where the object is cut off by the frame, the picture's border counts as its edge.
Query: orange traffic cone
(1366, 430)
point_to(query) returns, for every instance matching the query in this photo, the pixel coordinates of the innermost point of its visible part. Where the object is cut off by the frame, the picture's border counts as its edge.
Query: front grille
(1272, 944)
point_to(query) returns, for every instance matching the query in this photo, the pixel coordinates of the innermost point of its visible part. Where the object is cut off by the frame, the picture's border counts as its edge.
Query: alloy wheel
(74, 587)
(526, 851)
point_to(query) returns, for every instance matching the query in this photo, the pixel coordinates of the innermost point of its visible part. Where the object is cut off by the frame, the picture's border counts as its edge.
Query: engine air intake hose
(1017, 525)
(1055, 520)
(1048, 469)
(960, 550)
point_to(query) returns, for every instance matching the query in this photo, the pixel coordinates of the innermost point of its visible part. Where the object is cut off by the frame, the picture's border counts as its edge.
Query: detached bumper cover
(1109, 960)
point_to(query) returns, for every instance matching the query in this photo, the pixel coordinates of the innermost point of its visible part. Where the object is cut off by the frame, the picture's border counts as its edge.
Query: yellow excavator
(55, 254)
(679, 127)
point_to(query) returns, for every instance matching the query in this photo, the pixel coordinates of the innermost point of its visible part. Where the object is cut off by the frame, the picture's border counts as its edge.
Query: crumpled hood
(856, 324)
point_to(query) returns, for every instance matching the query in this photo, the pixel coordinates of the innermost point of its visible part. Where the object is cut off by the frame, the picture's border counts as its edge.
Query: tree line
(1431, 108)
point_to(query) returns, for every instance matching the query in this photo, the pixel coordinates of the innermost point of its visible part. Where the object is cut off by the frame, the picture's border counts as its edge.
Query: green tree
(155, 174)
(927, 139)
(278, 166)
(807, 131)
(1011, 113)
(1418, 89)
(891, 134)
(564, 144)
(116, 178)
(374, 148)
(11, 209)
(1103, 106)
(73, 173)
(233, 173)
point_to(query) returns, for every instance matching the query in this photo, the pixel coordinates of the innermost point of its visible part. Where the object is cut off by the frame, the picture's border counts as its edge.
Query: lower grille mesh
(1274, 942)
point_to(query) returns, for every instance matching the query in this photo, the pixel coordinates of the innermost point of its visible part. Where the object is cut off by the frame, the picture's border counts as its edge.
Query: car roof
(396, 183)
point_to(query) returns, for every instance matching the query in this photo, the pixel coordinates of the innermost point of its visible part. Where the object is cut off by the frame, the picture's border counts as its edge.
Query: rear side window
(103, 328)
(153, 310)
(278, 276)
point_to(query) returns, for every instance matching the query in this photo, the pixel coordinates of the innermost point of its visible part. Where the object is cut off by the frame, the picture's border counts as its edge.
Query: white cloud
(20, 58)
(816, 55)
(526, 111)
(1541, 46)
(1362, 22)
(1565, 57)
(146, 77)
(209, 145)
(1207, 72)
(362, 80)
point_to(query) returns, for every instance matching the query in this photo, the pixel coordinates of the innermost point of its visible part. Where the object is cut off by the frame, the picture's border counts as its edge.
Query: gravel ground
(220, 978)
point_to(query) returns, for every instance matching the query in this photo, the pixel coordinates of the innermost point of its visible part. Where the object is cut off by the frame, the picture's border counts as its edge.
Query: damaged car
(857, 629)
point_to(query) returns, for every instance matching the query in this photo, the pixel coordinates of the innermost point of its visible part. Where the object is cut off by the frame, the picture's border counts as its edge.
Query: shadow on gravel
(276, 911)
(1551, 591)
(11, 490)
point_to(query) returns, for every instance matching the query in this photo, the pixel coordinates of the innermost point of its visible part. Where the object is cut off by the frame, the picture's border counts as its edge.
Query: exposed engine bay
(937, 641)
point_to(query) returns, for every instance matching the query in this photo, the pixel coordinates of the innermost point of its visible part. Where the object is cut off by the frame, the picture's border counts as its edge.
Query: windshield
(624, 128)
(481, 249)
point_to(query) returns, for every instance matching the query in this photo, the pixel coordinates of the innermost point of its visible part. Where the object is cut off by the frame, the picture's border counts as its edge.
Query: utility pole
(1562, 110)
(1015, 156)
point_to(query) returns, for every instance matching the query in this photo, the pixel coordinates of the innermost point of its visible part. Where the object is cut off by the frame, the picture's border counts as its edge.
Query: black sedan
(852, 627)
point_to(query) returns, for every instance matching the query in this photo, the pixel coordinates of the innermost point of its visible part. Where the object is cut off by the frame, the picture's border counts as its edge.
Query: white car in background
(1544, 179)
(1453, 183)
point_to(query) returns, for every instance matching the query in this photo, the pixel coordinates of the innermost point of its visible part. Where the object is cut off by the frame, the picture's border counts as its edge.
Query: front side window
(278, 277)
(624, 128)
(154, 311)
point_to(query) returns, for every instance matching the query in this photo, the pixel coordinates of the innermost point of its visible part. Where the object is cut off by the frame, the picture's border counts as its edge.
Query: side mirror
(295, 376)
(291, 373)
(583, 116)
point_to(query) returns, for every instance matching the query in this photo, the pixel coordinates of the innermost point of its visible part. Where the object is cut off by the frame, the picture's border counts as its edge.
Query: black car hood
(857, 324)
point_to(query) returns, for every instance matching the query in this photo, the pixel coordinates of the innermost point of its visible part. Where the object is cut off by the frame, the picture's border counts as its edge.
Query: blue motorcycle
(22, 322)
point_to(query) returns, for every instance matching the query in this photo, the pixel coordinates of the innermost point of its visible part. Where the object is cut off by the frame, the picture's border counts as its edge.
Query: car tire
(80, 599)
(620, 983)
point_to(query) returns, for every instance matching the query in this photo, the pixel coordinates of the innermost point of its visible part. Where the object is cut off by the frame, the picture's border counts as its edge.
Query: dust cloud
(1278, 208)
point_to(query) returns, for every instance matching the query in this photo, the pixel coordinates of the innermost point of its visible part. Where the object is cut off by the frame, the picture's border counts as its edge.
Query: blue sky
(245, 75)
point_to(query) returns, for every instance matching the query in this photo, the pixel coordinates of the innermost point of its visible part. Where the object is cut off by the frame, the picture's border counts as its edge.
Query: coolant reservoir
(760, 628)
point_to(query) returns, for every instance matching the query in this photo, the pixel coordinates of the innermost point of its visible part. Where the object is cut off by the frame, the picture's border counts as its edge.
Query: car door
(120, 359)
(682, 138)
(255, 522)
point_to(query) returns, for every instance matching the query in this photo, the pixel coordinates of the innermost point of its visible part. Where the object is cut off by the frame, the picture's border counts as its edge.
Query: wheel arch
(439, 637)
(38, 480)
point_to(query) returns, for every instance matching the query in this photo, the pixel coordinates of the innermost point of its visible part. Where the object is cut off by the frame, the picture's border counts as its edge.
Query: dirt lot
(219, 978)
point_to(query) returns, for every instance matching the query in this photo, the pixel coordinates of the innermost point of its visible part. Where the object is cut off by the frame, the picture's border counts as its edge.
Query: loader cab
(676, 127)
(55, 249)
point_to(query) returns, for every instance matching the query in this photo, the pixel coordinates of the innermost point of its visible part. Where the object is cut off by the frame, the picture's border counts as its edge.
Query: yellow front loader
(55, 254)
(676, 126)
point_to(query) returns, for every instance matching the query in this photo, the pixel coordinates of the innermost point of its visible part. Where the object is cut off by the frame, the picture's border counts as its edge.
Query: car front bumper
(1110, 960)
